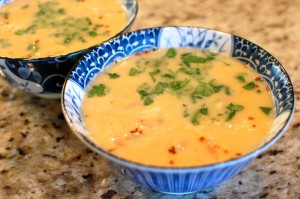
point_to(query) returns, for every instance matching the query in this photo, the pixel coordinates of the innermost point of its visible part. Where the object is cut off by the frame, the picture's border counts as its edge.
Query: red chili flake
(137, 54)
(250, 118)
(111, 150)
(171, 162)
(172, 150)
(267, 88)
(146, 51)
(202, 139)
(100, 17)
(258, 79)
(238, 154)
(37, 41)
(257, 86)
(225, 151)
(253, 125)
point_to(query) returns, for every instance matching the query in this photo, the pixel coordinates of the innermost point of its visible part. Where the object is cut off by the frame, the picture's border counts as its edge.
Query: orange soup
(178, 108)
(33, 29)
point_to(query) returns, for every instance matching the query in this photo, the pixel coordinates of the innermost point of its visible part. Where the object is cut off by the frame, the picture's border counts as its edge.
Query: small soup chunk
(178, 108)
(34, 29)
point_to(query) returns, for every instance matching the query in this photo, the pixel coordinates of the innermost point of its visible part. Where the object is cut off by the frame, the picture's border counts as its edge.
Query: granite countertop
(41, 158)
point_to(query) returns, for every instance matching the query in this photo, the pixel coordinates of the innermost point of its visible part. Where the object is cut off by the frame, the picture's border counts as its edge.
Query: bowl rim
(85, 50)
(128, 163)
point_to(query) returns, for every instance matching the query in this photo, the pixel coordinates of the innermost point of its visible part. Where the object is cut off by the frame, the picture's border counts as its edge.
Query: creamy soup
(178, 108)
(42, 28)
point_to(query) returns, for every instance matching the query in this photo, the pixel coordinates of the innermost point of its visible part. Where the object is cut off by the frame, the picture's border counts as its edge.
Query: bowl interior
(104, 55)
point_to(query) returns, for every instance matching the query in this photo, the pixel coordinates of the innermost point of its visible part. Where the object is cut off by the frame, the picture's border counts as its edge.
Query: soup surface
(33, 29)
(178, 108)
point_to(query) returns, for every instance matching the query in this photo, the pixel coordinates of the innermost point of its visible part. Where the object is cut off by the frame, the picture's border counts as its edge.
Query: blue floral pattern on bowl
(45, 76)
(178, 180)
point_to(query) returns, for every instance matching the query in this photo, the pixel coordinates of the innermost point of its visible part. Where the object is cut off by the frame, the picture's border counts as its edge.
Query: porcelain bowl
(45, 76)
(188, 179)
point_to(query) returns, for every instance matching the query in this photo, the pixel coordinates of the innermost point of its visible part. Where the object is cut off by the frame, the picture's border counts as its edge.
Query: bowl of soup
(178, 109)
(42, 40)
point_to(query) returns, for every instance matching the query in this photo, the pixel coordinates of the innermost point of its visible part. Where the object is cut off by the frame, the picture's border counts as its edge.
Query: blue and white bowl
(188, 179)
(45, 76)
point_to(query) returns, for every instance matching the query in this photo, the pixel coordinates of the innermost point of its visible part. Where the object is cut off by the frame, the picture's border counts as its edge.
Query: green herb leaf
(93, 33)
(21, 32)
(148, 101)
(143, 90)
(233, 109)
(153, 73)
(188, 58)
(249, 86)
(160, 88)
(169, 75)
(241, 78)
(133, 72)
(171, 53)
(215, 87)
(33, 47)
(98, 90)
(203, 90)
(143, 93)
(202, 111)
(266, 110)
(227, 90)
(178, 85)
(113, 75)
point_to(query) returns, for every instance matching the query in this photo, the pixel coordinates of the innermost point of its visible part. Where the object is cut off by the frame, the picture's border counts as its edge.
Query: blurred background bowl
(178, 180)
(44, 77)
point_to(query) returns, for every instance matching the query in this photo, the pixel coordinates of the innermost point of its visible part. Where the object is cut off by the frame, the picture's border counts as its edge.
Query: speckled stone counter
(41, 158)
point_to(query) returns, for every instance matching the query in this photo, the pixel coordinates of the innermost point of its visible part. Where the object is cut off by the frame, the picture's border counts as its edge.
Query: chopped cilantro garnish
(169, 75)
(171, 53)
(160, 88)
(188, 58)
(241, 78)
(202, 90)
(144, 90)
(133, 72)
(113, 75)
(93, 33)
(216, 88)
(143, 93)
(266, 110)
(178, 85)
(153, 73)
(21, 32)
(158, 62)
(227, 90)
(148, 101)
(98, 90)
(202, 111)
(233, 109)
(249, 86)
